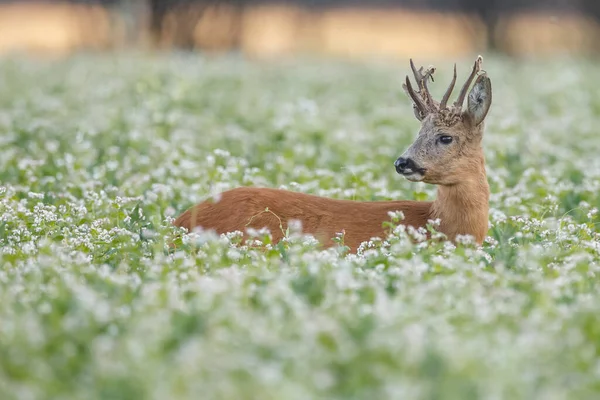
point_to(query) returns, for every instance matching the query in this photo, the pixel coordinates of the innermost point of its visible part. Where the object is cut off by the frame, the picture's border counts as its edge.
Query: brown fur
(463, 208)
(321, 217)
(457, 167)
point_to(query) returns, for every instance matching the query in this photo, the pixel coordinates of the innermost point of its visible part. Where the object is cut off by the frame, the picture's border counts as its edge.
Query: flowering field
(99, 154)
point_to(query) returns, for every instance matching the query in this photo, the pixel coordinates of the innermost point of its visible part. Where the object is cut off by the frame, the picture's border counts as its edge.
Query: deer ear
(480, 100)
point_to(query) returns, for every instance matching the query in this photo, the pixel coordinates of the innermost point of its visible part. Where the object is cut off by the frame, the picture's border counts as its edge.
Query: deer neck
(463, 207)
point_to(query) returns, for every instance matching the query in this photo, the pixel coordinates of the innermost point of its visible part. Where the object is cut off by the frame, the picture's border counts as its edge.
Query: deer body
(321, 217)
(447, 152)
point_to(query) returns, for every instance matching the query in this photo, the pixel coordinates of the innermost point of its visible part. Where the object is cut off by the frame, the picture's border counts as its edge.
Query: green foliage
(99, 154)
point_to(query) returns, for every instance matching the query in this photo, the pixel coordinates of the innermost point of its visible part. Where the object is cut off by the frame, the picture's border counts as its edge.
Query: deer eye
(445, 139)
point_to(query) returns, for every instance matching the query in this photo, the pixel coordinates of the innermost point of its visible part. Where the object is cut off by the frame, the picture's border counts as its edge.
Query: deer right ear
(480, 100)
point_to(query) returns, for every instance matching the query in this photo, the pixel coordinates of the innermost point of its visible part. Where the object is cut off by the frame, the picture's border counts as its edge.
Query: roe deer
(447, 152)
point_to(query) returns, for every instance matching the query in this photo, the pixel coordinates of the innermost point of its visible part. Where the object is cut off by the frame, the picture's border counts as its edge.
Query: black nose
(404, 165)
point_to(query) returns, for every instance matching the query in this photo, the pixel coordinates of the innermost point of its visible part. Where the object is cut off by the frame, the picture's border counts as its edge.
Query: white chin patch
(414, 177)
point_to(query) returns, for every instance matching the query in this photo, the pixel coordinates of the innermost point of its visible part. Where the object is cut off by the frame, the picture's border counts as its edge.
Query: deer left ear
(480, 100)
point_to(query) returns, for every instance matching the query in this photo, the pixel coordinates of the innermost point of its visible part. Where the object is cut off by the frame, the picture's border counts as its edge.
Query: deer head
(449, 143)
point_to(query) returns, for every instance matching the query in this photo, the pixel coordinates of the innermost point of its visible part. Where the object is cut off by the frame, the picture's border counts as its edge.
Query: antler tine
(422, 79)
(416, 73)
(463, 92)
(448, 91)
(415, 98)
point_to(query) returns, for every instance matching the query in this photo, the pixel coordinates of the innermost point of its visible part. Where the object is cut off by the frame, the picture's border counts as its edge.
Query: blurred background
(343, 28)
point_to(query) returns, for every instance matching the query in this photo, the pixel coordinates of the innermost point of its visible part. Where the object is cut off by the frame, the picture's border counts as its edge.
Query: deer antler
(423, 102)
(448, 91)
(417, 100)
(422, 99)
(463, 92)
(422, 79)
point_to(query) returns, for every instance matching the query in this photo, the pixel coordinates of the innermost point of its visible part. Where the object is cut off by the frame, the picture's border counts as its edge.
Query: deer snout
(409, 169)
(405, 166)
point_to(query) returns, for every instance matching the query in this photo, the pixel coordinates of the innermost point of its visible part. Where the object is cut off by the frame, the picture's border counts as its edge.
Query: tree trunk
(158, 10)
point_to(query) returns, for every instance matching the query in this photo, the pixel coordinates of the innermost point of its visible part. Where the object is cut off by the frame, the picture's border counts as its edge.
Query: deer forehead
(442, 122)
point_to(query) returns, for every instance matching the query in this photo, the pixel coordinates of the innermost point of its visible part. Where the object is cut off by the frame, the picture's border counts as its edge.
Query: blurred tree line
(490, 12)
